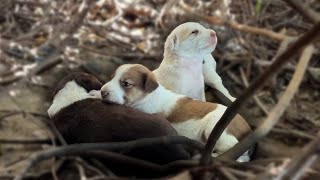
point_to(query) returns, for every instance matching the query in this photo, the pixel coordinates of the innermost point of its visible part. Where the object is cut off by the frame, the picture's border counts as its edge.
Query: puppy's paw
(95, 94)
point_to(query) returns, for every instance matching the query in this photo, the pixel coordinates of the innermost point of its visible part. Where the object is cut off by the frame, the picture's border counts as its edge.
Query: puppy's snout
(213, 33)
(104, 94)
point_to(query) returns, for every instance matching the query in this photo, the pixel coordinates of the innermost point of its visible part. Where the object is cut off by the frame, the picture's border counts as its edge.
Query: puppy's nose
(104, 94)
(212, 33)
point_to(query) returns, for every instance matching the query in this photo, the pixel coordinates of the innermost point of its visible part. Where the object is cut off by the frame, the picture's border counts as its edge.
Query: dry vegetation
(271, 45)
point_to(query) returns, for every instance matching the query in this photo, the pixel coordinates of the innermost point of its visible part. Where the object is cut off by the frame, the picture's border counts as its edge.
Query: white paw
(244, 158)
(232, 99)
(95, 94)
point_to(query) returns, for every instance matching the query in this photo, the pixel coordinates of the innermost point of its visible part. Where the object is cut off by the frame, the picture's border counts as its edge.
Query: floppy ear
(171, 42)
(151, 82)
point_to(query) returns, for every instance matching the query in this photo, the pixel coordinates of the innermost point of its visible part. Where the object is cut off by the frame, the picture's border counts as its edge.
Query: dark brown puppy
(83, 119)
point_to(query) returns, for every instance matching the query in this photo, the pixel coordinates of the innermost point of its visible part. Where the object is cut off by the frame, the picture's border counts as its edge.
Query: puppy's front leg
(212, 78)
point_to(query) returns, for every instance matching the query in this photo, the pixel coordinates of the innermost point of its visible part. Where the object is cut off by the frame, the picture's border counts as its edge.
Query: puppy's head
(129, 84)
(83, 80)
(191, 39)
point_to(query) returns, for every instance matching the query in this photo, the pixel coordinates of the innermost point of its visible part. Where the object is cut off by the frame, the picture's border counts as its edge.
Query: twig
(302, 161)
(293, 132)
(235, 25)
(305, 11)
(227, 174)
(99, 165)
(276, 112)
(164, 11)
(85, 147)
(240, 173)
(231, 111)
(255, 97)
(49, 53)
(25, 141)
(82, 173)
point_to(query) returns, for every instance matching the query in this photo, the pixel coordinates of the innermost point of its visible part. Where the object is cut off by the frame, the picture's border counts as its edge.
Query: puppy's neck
(70, 94)
(160, 101)
(180, 59)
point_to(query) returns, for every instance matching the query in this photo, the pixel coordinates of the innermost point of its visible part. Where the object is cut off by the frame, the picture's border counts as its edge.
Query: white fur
(71, 93)
(95, 94)
(163, 104)
(212, 78)
(182, 70)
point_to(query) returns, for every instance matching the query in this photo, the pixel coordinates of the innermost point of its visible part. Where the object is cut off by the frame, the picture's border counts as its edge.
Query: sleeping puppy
(187, 62)
(136, 86)
(83, 119)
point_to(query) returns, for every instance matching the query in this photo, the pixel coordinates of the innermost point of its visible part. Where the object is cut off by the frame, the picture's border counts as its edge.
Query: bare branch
(305, 11)
(303, 160)
(257, 84)
(78, 149)
(235, 25)
(276, 112)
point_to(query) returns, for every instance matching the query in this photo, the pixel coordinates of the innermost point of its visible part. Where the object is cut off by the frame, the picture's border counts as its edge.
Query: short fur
(187, 62)
(91, 120)
(191, 118)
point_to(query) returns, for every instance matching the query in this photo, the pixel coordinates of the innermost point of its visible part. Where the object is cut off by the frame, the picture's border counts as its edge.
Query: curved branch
(276, 112)
(232, 110)
(76, 149)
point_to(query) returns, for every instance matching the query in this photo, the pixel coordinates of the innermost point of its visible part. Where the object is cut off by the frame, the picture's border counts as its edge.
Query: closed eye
(195, 32)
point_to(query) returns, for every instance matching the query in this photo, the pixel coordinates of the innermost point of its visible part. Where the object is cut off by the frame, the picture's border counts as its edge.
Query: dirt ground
(42, 41)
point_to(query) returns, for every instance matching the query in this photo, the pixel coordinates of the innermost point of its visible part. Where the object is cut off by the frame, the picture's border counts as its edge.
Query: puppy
(187, 62)
(81, 118)
(136, 86)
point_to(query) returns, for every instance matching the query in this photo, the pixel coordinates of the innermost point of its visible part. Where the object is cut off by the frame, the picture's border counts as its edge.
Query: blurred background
(41, 41)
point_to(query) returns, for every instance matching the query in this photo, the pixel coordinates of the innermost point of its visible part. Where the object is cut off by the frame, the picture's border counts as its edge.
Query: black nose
(104, 94)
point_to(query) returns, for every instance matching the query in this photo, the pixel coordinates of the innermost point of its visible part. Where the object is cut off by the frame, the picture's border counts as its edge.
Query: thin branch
(294, 133)
(303, 160)
(255, 97)
(305, 11)
(85, 147)
(276, 112)
(257, 84)
(25, 141)
(235, 25)
(227, 174)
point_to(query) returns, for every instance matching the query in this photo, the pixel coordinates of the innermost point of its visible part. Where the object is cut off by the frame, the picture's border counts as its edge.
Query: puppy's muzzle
(104, 94)
(212, 33)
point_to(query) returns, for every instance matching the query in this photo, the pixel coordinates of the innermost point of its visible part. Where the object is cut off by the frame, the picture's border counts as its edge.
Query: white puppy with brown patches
(187, 62)
(136, 86)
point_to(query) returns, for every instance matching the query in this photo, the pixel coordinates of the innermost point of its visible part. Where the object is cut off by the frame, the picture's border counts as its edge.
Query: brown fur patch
(87, 81)
(144, 82)
(187, 108)
(238, 127)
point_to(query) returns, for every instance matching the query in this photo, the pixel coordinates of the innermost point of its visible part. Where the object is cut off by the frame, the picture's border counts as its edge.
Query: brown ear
(151, 82)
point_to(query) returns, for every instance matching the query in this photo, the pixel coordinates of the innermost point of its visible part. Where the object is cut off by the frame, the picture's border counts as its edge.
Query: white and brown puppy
(187, 62)
(136, 86)
(83, 119)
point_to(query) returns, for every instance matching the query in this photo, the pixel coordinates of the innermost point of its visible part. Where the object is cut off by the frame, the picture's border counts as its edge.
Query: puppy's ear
(151, 82)
(171, 42)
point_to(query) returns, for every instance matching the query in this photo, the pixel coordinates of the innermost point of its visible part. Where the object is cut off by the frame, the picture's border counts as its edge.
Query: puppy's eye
(195, 32)
(126, 84)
